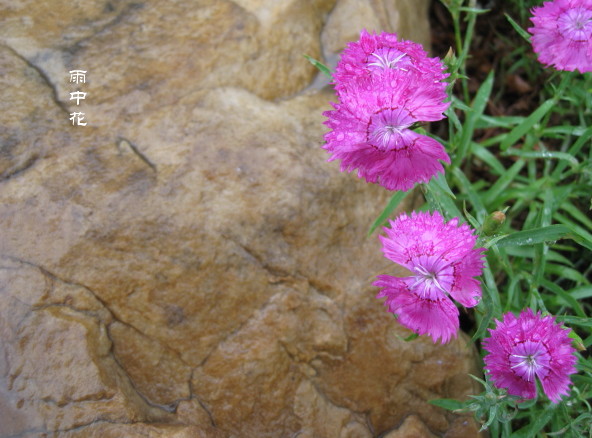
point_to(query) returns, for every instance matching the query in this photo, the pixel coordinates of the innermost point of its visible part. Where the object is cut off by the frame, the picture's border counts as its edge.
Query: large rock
(188, 264)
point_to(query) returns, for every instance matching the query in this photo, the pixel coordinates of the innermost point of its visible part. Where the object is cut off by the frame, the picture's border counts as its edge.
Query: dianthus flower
(443, 262)
(526, 347)
(370, 130)
(562, 34)
(376, 54)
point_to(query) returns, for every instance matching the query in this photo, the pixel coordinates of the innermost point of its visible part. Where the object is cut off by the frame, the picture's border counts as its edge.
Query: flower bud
(493, 223)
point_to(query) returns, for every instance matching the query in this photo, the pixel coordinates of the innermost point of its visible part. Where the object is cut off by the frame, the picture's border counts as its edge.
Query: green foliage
(538, 172)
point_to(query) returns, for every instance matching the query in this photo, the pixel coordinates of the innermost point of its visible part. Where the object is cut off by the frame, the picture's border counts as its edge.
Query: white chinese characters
(77, 119)
(77, 95)
(77, 77)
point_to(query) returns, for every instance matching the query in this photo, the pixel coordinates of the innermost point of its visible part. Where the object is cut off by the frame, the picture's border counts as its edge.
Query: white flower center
(388, 129)
(530, 359)
(576, 24)
(433, 277)
(387, 58)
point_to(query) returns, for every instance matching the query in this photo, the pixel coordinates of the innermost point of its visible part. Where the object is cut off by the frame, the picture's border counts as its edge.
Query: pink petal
(436, 318)
(466, 289)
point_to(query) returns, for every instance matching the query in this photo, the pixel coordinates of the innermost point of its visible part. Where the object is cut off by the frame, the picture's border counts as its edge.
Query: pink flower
(562, 34)
(375, 54)
(370, 130)
(526, 347)
(443, 262)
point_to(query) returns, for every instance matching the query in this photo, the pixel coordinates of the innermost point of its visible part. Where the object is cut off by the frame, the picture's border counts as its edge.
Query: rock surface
(187, 264)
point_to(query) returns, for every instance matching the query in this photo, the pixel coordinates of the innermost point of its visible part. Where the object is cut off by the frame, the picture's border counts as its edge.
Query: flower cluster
(562, 34)
(385, 88)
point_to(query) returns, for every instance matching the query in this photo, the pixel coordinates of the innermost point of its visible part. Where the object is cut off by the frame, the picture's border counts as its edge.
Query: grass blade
(487, 157)
(502, 183)
(524, 34)
(543, 154)
(448, 404)
(573, 150)
(566, 297)
(439, 199)
(479, 103)
(515, 134)
(396, 199)
(466, 187)
(540, 420)
(534, 236)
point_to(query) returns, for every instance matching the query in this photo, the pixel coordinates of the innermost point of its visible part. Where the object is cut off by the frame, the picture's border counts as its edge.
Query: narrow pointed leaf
(322, 67)
(391, 206)
(534, 236)
(516, 133)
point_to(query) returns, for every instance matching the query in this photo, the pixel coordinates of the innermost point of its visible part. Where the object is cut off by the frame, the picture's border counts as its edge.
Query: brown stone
(405, 17)
(59, 371)
(412, 427)
(137, 430)
(188, 263)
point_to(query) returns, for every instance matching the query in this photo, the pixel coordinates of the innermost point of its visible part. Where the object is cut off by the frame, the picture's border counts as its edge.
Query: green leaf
(487, 305)
(396, 199)
(554, 256)
(470, 218)
(502, 183)
(581, 380)
(457, 103)
(565, 272)
(439, 199)
(578, 343)
(538, 422)
(492, 241)
(511, 291)
(515, 134)
(575, 320)
(322, 67)
(577, 214)
(452, 117)
(492, 290)
(507, 122)
(448, 404)
(579, 293)
(440, 181)
(578, 233)
(528, 252)
(543, 154)
(488, 158)
(473, 10)
(583, 364)
(524, 34)
(411, 337)
(562, 131)
(466, 187)
(534, 236)
(573, 150)
(479, 103)
(567, 298)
